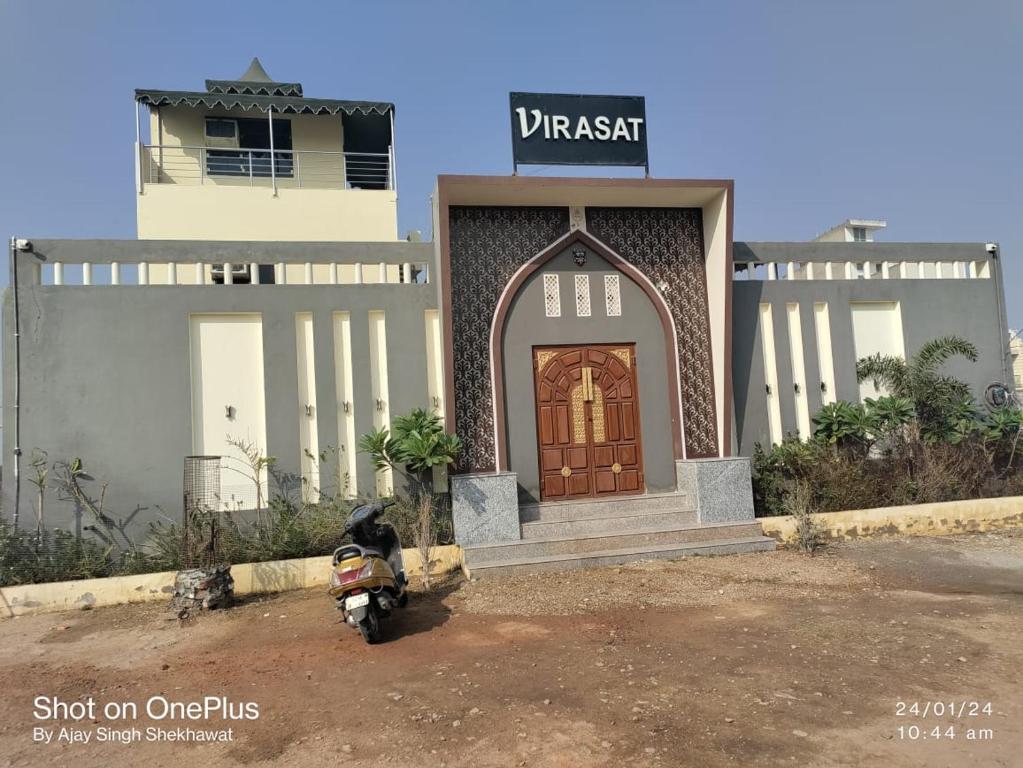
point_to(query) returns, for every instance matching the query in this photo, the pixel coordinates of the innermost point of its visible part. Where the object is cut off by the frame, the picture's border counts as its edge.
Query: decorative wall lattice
(613, 295)
(551, 295)
(487, 245)
(582, 295)
(666, 244)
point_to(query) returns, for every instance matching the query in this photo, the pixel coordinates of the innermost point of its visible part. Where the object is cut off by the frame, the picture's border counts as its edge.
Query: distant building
(852, 231)
(1016, 352)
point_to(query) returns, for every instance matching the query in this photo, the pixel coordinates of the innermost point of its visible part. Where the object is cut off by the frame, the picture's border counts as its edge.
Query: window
(582, 295)
(613, 295)
(217, 128)
(252, 156)
(551, 296)
(859, 234)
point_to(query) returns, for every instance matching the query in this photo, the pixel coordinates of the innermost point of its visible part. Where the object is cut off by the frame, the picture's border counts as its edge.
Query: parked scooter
(368, 580)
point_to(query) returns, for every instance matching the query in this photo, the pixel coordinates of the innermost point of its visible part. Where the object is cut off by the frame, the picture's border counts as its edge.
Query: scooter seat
(372, 552)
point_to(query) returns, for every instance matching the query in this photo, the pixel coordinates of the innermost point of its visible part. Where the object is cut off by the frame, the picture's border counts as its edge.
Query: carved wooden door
(587, 418)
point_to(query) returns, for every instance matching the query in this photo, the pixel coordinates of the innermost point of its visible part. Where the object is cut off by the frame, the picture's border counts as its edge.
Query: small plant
(112, 531)
(843, 424)
(256, 463)
(415, 444)
(809, 533)
(41, 471)
(939, 401)
(425, 534)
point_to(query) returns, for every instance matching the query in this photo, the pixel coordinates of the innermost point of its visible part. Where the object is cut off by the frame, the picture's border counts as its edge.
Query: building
(852, 231)
(606, 352)
(1016, 355)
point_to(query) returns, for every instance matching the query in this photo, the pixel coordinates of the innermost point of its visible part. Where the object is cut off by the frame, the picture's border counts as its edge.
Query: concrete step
(583, 526)
(619, 506)
(730, 546)
(608, 540)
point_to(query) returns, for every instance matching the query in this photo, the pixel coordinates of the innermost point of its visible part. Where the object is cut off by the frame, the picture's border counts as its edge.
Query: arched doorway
(588, 425)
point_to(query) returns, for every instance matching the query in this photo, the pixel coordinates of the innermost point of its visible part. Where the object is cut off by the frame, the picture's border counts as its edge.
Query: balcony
(280, 168)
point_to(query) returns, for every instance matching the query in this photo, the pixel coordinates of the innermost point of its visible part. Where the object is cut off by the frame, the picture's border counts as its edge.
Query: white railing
(204, 273)
(860, 270)
(312, 169)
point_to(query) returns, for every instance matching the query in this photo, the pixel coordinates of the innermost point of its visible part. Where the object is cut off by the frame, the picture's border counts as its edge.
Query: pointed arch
(629, 270)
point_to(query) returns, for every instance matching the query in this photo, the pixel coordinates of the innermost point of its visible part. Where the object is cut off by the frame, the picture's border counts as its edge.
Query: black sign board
(571, 129)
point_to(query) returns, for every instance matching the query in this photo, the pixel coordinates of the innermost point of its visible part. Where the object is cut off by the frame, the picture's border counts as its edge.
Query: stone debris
(203, 589)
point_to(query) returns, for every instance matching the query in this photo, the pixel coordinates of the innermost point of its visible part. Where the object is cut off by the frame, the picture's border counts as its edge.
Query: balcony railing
(311, 169)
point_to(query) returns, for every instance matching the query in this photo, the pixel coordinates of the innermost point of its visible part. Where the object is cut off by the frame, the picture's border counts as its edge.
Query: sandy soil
(773, 659)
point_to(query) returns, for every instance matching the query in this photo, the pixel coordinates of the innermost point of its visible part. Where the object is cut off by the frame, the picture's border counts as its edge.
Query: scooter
(368, 579)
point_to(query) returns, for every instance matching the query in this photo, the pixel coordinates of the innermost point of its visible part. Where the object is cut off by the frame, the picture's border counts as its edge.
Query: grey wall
(105, 370)
(930, 308)
(528, 326)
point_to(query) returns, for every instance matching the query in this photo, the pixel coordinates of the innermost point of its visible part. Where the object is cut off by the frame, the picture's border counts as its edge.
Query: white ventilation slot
(798, 370)
(378, 383)
(344, 393)
(551, 296)
(613, 295)
(309, 448)
(770, 373)
(434, 363)
(825, 359)
(582, 295)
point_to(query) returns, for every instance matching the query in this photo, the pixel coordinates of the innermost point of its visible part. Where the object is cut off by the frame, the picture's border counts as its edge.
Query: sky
(819, 110)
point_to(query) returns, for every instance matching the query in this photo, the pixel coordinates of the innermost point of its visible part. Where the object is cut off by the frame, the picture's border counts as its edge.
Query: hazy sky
(907, 111)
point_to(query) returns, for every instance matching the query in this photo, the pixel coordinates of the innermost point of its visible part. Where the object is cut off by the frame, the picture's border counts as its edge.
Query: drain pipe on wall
(16, 246)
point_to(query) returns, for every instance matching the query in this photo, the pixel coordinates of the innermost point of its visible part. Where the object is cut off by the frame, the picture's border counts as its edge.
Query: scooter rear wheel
(370, 626)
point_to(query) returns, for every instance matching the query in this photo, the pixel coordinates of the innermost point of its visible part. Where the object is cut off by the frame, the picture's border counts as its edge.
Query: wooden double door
(587, 418)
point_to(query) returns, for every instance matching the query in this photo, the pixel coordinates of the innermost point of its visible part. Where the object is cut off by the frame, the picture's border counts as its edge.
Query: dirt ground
(769, 659)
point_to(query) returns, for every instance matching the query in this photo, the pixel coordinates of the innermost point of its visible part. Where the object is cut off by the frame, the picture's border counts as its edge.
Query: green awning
(261, 102)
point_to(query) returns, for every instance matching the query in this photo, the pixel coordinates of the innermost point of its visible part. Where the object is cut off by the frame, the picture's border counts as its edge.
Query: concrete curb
(947, 517)
(249, 578)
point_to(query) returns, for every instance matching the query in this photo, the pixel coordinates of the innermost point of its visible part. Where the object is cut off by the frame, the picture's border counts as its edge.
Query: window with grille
(582, 295)
(613, 295)
(551, 296)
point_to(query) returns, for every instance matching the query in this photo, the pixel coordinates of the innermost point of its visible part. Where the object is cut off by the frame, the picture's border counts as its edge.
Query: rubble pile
(203, 588)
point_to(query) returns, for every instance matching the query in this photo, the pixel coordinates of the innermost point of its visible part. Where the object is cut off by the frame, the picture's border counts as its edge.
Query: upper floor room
(255, 159)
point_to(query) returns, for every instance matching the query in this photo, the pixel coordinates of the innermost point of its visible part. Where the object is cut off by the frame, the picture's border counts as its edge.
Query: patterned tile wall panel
(488, 244)
(666, 244)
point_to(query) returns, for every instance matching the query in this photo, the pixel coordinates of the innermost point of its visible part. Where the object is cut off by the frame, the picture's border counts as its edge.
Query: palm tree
(940, 401)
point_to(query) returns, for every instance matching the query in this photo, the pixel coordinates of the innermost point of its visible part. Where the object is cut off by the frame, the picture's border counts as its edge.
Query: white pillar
(115, 273)
(86, 273)
(254, 274)
(228, 274)
(308, 273)
(358, 273)
(200, 273)
(172, 273)
(143, 273)
(273, 158)
(382, 277)
(333, 273)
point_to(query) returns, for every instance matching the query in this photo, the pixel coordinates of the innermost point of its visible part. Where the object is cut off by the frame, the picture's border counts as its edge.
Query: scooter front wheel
(370, 626)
